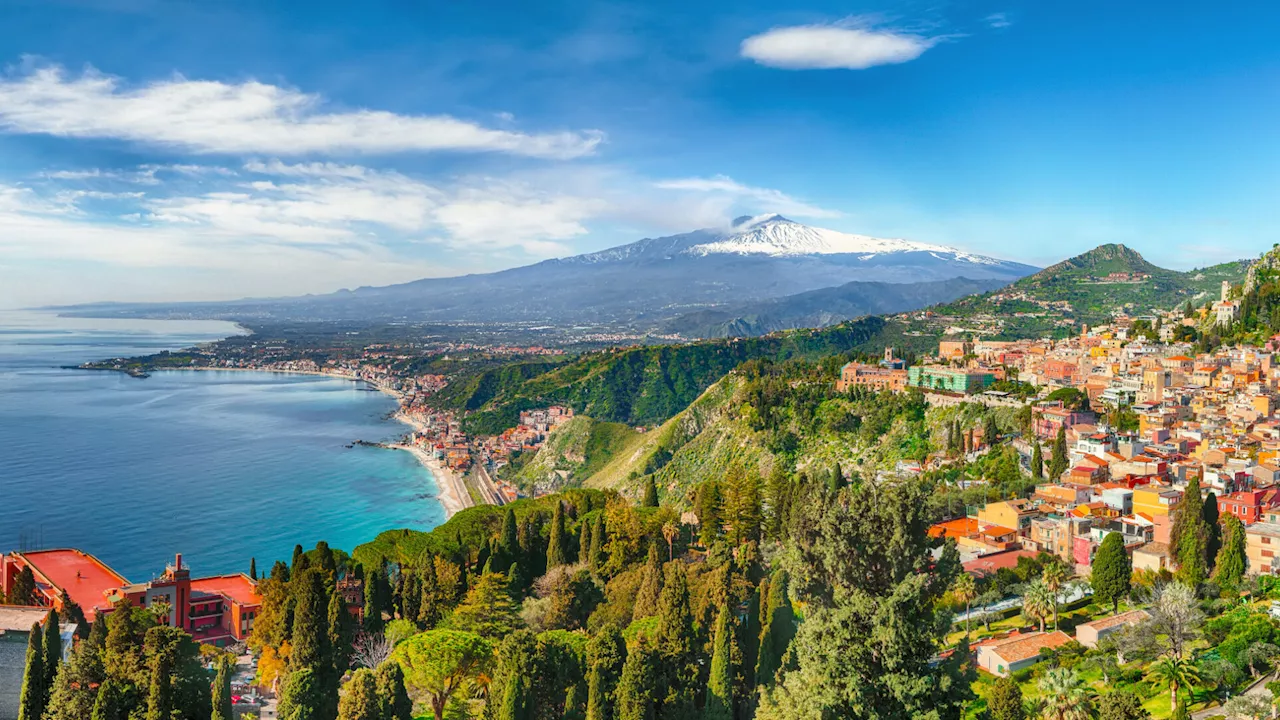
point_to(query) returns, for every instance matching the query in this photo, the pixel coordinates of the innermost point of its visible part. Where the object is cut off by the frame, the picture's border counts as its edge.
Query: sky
(173, 150)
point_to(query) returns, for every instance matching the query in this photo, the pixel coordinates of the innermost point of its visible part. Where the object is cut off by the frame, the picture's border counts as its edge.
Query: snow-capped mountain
(777, 236)
(641, 284)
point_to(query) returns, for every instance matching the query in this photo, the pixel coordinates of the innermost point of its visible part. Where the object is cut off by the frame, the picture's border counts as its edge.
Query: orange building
(875, 377)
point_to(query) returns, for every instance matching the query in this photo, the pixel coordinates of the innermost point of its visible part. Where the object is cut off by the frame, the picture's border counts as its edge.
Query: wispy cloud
(849, 45)
(998, 20)
(758, 199)
(250, 117)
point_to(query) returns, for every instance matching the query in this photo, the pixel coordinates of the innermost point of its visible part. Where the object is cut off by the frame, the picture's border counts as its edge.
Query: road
(1068, 595)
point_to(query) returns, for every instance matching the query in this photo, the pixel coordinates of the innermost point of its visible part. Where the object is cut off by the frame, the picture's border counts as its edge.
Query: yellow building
(1262, 540)
(1014, 514)
(1155, 501)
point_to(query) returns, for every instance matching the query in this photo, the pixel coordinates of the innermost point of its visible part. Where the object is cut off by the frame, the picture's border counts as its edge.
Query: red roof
(989, 564)
(238, 588)
(961, 527)
(85, 578)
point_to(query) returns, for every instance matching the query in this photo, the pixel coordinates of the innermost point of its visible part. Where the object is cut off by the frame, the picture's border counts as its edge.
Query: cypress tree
(779, 629)
(650, 586)
(557, 554)
(1112, 571)
(650, 493)
(396, 704)
(78, 683)
(1189, 535)
(749, 636)
(1058, 462)
(298, 558)
(638, 684)
(110, 703)
(606, 654)
(360, 699)
(253, 569)
(1005, 701)
(509, 546)
(677, 643)
(533, 552)
(990, 431)
(373, 622)
(1037, 459)
(1213, 529)
(411, 595)
(312, 649)
(430, 604)
(1230, 565)
(719, 704)
(222, 693)
(301, 697)
(514, 702)
(32, 695)
(597, 543)
(584, 543)
(162, 653)
(340, 626)
(52, 653)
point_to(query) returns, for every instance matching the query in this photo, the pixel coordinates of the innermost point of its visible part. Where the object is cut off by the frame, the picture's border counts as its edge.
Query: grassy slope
(573, 452)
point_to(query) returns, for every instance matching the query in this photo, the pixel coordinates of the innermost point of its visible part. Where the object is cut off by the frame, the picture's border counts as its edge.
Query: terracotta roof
(989, 564)
(1133, 616)
(86, 579)
(1031, 646)
(961, 527)
(1155, 548)
(238, 588)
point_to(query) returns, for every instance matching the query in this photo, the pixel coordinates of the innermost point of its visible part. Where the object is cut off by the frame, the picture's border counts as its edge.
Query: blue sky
(173, 150)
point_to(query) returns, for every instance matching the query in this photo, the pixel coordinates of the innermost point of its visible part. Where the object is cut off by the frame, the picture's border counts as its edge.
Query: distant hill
(821, 308)
(635, 286)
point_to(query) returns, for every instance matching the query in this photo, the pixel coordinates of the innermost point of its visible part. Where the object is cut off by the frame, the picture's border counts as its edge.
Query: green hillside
(572, 452)
(647, 385)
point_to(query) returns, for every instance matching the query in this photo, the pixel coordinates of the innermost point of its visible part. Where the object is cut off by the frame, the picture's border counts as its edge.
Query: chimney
(177, 562)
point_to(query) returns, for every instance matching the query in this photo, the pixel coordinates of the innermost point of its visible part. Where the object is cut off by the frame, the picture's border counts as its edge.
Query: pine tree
(637, 687)
(597, 543)
(557, 553)
(74, 613)
(1230, 565)
(1037, 459)
(340, 626)
(52, 653)
(31, 697)
(606, 654)
(779, 629)
(719, 705)
(1213, 529)
(1005, 701)
(707, 507)
(360, 699)
(650, 493)
(396, 704)
(1189, 535)
(253, 569)
(1058, 462)
(222, 693)
(23, 591)
(1112, 570)
(650, 590)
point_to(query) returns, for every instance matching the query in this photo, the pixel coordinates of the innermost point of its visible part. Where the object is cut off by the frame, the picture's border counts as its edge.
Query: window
(1266, 541)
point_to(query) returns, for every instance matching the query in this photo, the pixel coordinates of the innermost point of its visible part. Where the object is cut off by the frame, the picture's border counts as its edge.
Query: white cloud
(827, 47)
(998, 20)
(757, 199)
(247, 117)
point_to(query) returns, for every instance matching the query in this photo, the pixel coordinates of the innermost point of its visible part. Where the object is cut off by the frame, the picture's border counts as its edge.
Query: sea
(219, 466)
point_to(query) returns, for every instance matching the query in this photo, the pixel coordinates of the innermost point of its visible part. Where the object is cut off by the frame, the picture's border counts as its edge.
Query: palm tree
(1054, 575)
(965, 591)
(1176, 672)
(1065, 696)
(1038, 602)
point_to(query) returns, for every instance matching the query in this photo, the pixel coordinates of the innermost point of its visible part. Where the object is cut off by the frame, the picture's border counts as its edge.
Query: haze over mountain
(639, 284)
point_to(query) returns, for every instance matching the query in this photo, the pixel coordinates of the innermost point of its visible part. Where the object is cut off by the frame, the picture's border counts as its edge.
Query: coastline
(453, 495)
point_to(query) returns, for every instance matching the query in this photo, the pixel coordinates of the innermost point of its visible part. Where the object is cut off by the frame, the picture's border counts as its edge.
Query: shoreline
(453, 495)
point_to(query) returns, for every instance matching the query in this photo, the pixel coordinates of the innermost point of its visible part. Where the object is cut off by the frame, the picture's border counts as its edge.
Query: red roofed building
(217, 610)
(990, 564)
(1249, 505)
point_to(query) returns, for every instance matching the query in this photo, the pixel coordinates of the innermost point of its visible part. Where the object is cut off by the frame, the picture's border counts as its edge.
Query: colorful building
(875, 377)
(217, 610)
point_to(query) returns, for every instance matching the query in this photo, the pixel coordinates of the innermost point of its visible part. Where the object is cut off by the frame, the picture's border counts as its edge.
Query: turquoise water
(220, 466)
